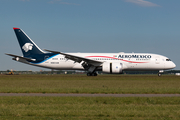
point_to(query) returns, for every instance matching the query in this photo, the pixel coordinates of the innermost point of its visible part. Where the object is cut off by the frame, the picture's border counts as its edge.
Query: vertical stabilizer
(27, 46)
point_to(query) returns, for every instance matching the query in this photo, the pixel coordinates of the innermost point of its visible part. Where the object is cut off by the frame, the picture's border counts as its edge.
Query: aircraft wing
(76, 58)
(17, 57)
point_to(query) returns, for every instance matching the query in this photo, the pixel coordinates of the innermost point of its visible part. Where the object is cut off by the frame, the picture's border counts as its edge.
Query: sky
(107, 26)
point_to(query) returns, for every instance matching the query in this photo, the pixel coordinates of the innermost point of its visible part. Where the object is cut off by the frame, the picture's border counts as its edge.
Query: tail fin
(27, 46)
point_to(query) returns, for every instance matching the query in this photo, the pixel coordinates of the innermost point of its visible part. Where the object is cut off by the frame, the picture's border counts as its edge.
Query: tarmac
(88, 95)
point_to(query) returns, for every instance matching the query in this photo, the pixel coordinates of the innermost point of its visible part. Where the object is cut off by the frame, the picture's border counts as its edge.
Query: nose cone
(170, 65)
(173, 65)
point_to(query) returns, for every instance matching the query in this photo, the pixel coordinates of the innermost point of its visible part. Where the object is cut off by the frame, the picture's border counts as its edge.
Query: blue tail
(28, 47)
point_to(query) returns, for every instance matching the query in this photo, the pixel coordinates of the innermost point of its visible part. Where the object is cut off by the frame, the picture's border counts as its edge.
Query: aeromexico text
(134, 56)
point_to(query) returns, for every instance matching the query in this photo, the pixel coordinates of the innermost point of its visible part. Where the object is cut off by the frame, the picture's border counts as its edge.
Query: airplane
(112, 63)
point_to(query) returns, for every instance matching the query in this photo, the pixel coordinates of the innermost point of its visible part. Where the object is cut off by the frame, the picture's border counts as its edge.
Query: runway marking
(89, 95)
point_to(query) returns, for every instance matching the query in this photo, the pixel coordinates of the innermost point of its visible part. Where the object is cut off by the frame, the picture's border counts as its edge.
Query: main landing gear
(91, 74)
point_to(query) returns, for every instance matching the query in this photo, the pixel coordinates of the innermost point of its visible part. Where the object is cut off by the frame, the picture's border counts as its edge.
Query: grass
(91, 108)
(136, 84)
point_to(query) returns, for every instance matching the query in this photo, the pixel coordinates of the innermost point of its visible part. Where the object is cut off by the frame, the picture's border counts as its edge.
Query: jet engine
(114, 67)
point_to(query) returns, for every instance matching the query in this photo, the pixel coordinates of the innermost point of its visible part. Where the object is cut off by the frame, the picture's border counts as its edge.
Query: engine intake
(113, 68)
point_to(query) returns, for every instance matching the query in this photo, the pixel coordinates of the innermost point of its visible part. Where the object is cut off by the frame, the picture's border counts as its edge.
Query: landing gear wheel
(94, 74)
(91, 74)
(159, 74)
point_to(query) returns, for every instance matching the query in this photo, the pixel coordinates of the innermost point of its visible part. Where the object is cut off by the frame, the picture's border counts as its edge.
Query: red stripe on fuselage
(116, 59)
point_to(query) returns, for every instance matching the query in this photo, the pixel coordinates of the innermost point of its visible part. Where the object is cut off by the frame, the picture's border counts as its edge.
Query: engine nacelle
(113, 68)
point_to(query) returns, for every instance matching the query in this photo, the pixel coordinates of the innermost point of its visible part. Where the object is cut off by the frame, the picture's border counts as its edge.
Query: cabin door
(157, 60)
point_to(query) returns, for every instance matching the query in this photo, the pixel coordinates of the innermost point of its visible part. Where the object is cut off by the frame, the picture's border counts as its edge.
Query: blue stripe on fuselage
(40, 60)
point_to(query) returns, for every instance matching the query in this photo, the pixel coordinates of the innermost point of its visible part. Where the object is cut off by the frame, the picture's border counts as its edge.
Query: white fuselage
(130, 61)
(113, 63)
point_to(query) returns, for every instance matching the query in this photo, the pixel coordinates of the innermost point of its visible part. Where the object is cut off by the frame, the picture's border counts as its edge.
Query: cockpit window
(168, 59)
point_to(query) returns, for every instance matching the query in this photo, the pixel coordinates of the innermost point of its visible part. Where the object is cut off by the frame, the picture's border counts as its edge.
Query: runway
(88, 95)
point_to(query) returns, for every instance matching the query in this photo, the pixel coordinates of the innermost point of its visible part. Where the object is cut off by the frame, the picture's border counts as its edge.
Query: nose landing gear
(160, 73)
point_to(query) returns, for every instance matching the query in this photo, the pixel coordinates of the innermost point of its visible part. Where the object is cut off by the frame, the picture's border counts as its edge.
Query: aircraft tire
(159, 74)
(89, 74)
(94, 74)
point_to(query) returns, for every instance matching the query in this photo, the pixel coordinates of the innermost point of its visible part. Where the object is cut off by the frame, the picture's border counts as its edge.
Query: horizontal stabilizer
(17, 57)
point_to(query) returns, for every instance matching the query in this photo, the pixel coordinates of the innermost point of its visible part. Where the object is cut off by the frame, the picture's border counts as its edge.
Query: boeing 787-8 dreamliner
(113, 63)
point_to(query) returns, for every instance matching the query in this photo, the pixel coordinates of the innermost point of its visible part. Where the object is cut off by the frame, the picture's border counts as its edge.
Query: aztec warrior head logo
(27, 47)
